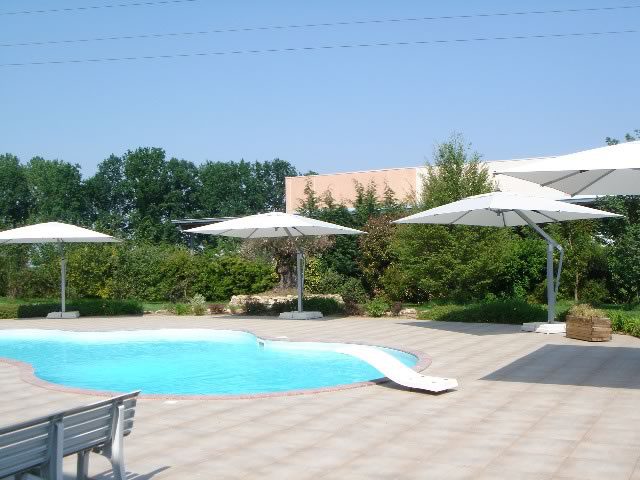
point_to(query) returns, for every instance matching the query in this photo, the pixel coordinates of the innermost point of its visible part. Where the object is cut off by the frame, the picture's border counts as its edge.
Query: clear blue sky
(331, 110)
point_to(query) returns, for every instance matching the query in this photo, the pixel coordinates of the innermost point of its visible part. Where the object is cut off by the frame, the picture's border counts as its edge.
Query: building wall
(405, 182)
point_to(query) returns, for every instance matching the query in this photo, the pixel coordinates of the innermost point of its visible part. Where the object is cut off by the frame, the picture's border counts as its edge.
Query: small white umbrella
(502, 209)
(612, 170)
(59, 233)
(274, 225)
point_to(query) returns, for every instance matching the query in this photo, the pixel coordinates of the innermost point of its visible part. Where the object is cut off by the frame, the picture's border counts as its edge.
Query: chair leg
(83, 465)
(117, 446)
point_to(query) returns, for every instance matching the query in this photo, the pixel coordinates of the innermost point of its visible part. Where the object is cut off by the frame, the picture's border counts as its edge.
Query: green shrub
(376, 307)
(511, 311)
(86, 307)
(625, 322)
(198, 304)
(253, 307)
(328, 306)
(9, 310)
(594, 292)
(180, 308)
(586, 311)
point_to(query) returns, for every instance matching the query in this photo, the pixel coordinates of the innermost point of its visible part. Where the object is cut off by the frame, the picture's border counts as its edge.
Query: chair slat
(27, 445)
(24, 434)
(81, 417)
(86, 440)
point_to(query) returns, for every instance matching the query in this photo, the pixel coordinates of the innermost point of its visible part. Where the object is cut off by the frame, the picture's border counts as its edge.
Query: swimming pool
(185, 361)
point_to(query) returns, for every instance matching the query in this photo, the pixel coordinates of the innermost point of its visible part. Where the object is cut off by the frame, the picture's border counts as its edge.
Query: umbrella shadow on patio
(589, 366)
(479, 329)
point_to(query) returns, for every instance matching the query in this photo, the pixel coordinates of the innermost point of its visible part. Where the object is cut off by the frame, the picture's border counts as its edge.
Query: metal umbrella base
(301, 315)
(72, 314)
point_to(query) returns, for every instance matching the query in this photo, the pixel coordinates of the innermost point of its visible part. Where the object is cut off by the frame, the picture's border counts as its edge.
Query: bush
(198, 304)
(594, 292)
(86, 307)
(180, 309)
(328, 306)
(396, 308)
(217, 308)
(511, 311)
(586, 311)
(376, 307)
(9, 310)
(625, 322)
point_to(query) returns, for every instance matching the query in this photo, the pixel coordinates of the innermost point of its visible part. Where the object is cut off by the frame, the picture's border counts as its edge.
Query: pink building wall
(403, 181)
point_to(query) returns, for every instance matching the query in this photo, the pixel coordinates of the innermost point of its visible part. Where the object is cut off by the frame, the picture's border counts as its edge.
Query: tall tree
(57, 191)
(438, 261)
(15, 196)
(107, 195)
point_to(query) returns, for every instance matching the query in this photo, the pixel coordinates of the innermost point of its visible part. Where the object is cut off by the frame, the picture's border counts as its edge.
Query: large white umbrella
(59, 233)
(274, 225)
(502, 209)
(612, 170)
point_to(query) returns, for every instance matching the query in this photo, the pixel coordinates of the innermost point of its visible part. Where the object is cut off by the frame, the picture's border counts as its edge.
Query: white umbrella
(274, 225)
(60, 233)
(502, 209)
(612, 170)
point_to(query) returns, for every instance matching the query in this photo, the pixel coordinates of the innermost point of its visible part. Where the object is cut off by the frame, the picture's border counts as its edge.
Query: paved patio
(529, 406)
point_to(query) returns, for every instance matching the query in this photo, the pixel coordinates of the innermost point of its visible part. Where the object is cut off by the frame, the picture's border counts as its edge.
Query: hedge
(86, 307)
(509, 311)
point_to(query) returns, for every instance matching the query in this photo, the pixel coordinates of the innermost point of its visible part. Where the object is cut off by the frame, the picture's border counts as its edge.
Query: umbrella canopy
(501, 209)
(60, 233)
(504, 209)
(53, 232)
(612, 170)
(275, 225)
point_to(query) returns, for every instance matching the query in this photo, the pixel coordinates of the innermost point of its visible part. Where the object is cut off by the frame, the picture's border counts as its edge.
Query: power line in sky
(322, 47)
(96, 7)
(311, 25)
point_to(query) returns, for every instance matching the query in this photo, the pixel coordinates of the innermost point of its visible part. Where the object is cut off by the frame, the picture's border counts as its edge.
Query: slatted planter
(591, 329)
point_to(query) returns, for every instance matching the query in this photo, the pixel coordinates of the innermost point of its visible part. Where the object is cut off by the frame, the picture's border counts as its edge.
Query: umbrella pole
(552, 286)
(300, 266)
(63, 275)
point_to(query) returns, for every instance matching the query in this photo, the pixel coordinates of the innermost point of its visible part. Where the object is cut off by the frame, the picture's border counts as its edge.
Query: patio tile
(592, 469)
(532, 422)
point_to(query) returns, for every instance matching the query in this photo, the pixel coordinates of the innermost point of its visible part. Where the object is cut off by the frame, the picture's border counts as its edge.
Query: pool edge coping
(27, 373)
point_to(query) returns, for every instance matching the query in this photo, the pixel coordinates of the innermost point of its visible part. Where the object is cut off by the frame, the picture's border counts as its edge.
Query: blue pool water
(184, 361)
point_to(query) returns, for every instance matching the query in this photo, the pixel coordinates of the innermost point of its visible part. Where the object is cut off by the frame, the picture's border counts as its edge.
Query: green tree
(15, 196)
(109, 203)
(57, 191)
(438, 261)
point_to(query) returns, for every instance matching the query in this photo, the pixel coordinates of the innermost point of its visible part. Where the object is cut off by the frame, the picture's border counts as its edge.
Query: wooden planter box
(589, 329)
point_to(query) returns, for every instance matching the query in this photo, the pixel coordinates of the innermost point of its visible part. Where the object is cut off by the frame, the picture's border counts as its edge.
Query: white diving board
(396, 371)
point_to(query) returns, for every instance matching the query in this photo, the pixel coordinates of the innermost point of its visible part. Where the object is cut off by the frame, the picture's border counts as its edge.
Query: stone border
(27, 374)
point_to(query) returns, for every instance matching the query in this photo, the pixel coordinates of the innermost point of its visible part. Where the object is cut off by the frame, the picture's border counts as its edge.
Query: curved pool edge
(27, 373)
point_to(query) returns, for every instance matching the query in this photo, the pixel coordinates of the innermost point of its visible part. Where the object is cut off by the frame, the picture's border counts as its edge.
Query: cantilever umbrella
(59, 233)
(274, 225)
(502, 209)
(612, 170)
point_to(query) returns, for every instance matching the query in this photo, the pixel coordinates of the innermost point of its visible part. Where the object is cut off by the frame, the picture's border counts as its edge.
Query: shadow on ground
(479, 329)
(592, 366)
(108, 475)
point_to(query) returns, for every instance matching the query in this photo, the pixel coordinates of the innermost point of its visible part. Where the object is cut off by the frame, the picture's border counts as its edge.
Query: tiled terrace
(529, 406)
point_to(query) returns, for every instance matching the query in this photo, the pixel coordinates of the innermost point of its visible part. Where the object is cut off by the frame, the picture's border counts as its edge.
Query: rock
(408, 312)
(238, 302)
